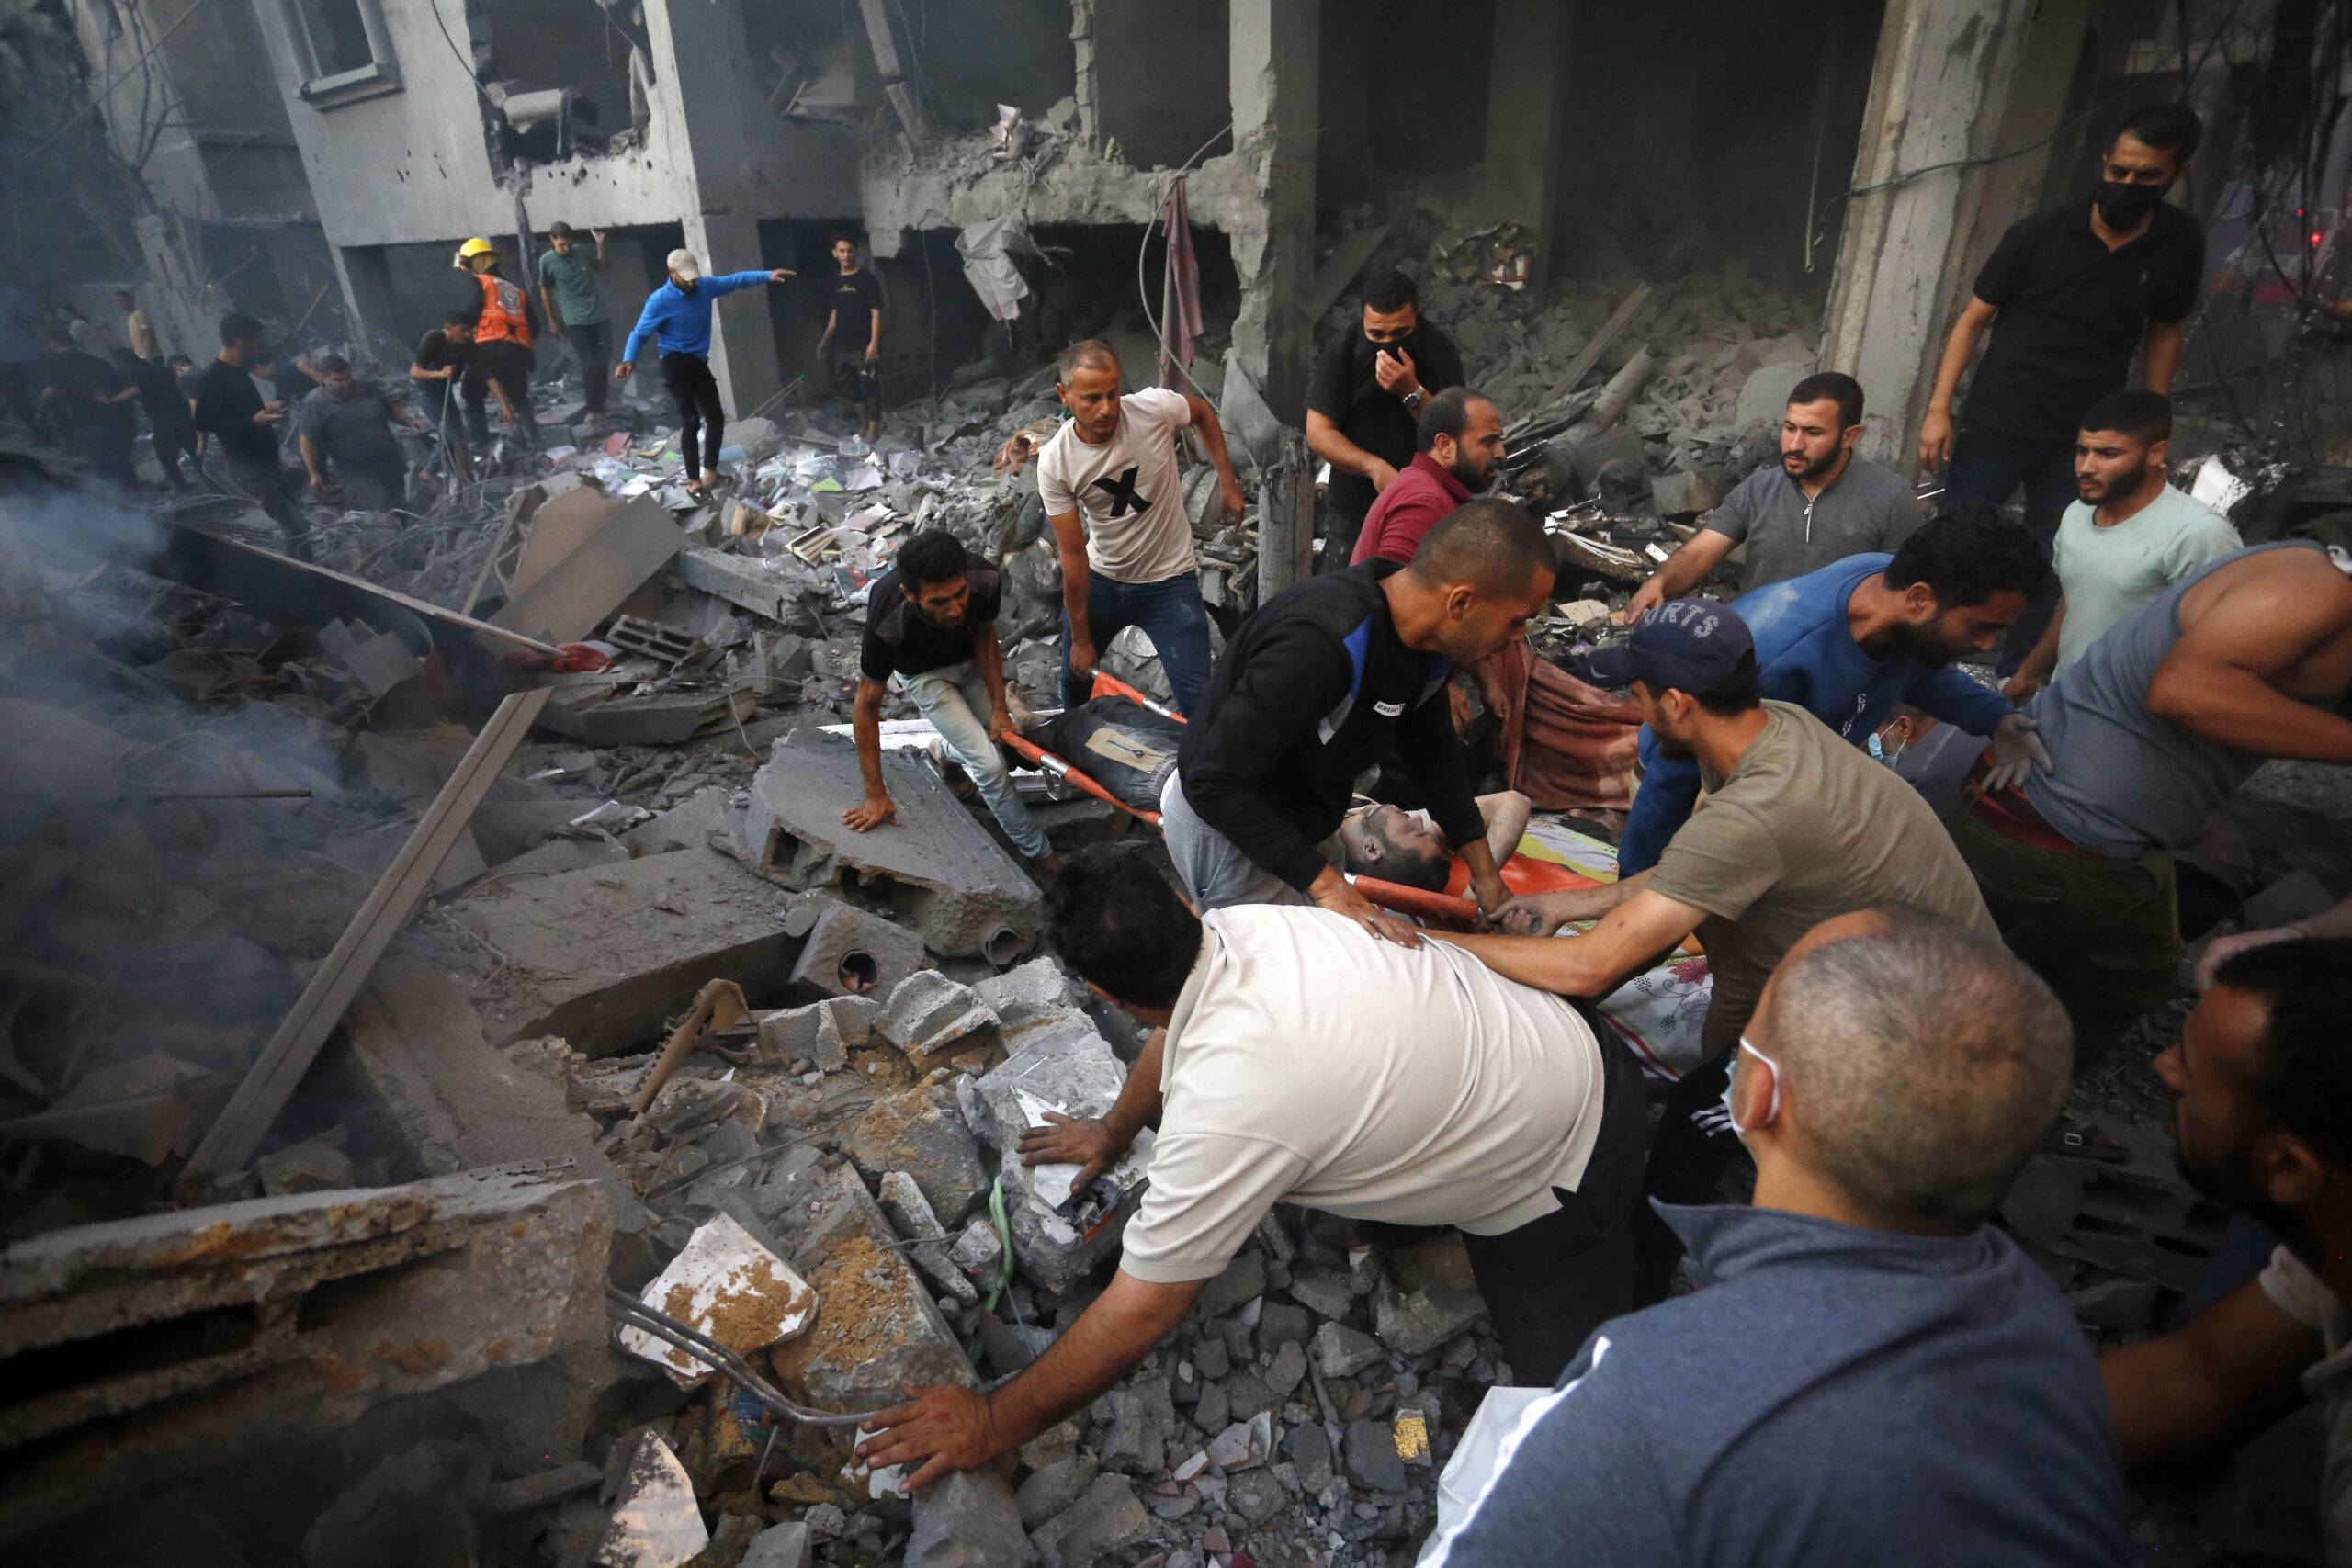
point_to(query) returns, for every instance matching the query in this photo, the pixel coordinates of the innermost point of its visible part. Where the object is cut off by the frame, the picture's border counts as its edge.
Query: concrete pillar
(2039, 98)
(1276, 96)
(1526, 104)
(366, 280)
(1937, 90)
(704, 79)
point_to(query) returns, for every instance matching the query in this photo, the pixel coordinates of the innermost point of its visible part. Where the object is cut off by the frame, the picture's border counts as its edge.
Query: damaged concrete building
(465, 1095)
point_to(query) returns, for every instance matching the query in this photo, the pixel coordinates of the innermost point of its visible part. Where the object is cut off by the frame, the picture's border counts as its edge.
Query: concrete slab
(1067, 1067)
(875, 1322)
(849, 953)
(782, 589)
(597, 577)
(938, 869)
(605, 957)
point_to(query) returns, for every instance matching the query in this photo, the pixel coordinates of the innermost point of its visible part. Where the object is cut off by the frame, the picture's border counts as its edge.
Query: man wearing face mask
(1460, 439)
(2071, 294)
(1798, 825)
(1364, 403)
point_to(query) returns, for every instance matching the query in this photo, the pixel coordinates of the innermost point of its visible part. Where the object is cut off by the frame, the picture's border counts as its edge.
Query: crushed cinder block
(910, 1212)
(1069, 1069)
(727, 1287)
(923, 1133)
(929, 1014)
(605, 957)
(879, 1324)
(849, 952)
(1040, 989)
(937, 868)
(656, 1522)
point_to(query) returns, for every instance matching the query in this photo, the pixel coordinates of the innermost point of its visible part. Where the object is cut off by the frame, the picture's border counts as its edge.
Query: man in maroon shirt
(1460, 439)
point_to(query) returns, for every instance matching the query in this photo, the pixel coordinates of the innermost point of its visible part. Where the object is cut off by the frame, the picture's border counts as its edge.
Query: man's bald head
(1921, 1063)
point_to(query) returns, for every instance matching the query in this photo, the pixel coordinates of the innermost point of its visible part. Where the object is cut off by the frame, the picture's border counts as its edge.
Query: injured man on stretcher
(1397, 845)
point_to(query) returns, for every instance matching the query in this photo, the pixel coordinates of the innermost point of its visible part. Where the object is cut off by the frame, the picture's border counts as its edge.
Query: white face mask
(1773, 1110)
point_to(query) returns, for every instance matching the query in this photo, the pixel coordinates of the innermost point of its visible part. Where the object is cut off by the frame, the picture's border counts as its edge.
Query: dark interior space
(540, 44)
(975, 54)
(1404, 95)
(1170, 64)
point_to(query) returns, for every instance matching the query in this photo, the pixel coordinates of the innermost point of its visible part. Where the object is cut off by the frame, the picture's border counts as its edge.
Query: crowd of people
(1900, 995)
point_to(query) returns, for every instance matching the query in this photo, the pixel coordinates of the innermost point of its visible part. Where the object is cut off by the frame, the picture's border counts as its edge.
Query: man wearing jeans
(931, 634)
(1116, 500)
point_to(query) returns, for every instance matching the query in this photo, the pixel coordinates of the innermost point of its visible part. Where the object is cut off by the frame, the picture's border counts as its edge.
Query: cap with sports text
(1697, 645)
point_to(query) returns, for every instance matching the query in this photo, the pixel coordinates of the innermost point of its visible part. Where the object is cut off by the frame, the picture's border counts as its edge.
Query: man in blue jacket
(677, 318)
(1851, 641)
(1869, 1371)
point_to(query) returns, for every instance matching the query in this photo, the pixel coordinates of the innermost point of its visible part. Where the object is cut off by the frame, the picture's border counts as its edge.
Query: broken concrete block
(1685, 494)
(978, 1252)
(777, 587)
(758, 437)
(783, 1546)
(968, 1520)
(1372, 1460)
(1766, 391)
(1342, 1352)
(314, 1165)
(938, 869)
(1070, 1069)
(1054, 1488)
(606, 956)
(1039, 988)
(878, 1325)
(929, 1013)
(727, 1287)
(1105, 1521)
(1414, 1322)
(921, 1133)
(1244, 1279)
(848, 952)
(910, 1212)
(656, 1522)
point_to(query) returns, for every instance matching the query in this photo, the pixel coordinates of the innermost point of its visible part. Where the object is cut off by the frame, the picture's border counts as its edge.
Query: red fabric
(1408, 509)
(1180, 292)
(1567, 746)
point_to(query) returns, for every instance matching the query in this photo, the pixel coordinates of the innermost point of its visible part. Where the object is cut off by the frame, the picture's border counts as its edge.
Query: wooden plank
(234, 1137)
(272, 560)
(1610, 331)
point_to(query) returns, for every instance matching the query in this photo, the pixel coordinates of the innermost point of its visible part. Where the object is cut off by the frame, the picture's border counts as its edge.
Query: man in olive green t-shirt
(1797, 826)
(573, 307)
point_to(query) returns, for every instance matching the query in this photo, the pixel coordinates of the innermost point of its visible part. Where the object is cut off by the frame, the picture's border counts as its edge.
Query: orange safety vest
(502, 313)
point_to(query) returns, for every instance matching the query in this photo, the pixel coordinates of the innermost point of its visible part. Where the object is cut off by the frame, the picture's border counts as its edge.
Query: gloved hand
(2017, 752)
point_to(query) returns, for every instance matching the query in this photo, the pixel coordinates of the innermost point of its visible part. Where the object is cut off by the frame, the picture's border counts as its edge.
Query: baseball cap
(1692, 645)
(683, 263)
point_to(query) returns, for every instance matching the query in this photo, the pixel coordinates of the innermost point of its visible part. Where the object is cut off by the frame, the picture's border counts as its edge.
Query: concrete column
(366, 280)
(1275, 96)
(1526, 104)
(1937, 90)
(704, 82)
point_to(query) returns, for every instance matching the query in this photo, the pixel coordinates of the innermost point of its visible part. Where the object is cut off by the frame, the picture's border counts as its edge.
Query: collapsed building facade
(525, 982)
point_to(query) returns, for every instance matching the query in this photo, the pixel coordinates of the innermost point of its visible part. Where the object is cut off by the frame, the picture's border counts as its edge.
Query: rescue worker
(503, 331)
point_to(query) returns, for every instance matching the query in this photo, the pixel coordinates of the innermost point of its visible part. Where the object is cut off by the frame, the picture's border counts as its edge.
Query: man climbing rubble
(1819, 503)
(344, 430)
(1798, 826)
(1470, 1101)
(931, 635)
(1329, 675)
(1851, 642)
(505, 325)
(1115, 499)
(570, 293)
(854, 313)
(242, 429)
(676, 319)
(1364, 403)
(1899, 1072)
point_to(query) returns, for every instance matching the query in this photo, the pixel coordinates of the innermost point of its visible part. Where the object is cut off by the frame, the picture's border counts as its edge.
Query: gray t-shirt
(354, 432)
(2126, 781)
(1866, 508)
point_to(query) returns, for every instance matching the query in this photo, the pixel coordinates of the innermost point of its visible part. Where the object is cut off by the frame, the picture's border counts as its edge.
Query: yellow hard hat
(476, 247)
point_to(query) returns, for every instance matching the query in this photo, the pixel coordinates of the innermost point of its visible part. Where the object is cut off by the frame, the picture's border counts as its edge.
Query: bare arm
(1323, 438)
(547, 310)
(2034, 673)
(1229, 497)
(2221, 1380)
(1507, 815)
(2217, 681)
(1069, 541)
(874, 334)
(1684, 570)
(833, 319)
(1935, 431)
(1548, 912)
(313, 459)
(988, 654)
(865, 728)
(1627, 937)
(2164, 339)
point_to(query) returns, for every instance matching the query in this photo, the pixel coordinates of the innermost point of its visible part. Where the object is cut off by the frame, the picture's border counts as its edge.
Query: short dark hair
(559, 230)
(2304, 1084)
(463, 316)
(331, 365)
(1389, 292)
(180, 359)
(1448, 413)
(2144, 415)
(1087, 353)
(1967, 554)
(932, 556)
(837, 238)
(1837, 387)
(124, 294)
(1117, 922)
(2165, 128)
(237, 327)
(1427, 870)
(1485, 542)
(1743, 693)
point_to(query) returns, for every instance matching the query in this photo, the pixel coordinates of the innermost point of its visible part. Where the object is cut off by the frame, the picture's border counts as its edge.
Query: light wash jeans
(955, 700)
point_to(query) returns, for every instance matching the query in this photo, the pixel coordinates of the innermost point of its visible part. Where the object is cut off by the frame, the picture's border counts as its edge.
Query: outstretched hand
(940, 1430)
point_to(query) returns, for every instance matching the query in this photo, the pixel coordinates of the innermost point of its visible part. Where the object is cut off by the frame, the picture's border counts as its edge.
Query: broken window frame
(321, 89)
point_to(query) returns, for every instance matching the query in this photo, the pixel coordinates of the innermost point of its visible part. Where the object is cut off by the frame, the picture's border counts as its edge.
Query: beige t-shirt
(1310, 1063)
(1128, 491)
(2303, 1295)
(1805, 828)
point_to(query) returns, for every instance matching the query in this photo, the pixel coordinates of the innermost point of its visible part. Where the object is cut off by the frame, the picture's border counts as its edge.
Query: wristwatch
(1415, 399)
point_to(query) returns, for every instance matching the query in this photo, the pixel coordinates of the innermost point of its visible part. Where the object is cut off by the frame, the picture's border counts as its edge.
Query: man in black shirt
(91, 403)
(244, 427)
(931, 635)
(2071, 293)
(1328, 676)
(1363, 403)
(443, 357)
(167, 412)
(853, 309)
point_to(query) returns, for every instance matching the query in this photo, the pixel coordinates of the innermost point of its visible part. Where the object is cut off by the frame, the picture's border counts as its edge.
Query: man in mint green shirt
(2130, 536)
(573, 307)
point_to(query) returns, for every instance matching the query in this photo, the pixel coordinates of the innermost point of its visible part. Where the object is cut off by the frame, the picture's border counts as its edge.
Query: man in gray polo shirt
(345, 425)
(1819, 503)
(1291, 1061)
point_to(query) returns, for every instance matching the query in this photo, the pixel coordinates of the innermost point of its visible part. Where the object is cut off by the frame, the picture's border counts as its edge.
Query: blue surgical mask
(1773, 1110)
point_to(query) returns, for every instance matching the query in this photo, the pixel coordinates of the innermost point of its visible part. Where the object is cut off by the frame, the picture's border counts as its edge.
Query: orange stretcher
(1521, 874)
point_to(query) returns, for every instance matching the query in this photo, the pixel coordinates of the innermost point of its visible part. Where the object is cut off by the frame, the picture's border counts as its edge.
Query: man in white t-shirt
(2262, 1091)
(1116, 498)
(2130, 537)
(1292, 1062)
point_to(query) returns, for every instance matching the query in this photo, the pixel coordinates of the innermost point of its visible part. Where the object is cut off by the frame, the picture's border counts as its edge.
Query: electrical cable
(1143, 252)
(668, 1329)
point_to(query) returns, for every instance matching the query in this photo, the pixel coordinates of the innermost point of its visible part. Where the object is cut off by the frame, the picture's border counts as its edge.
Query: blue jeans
(1170, 613)
(955, 700)
(1986, 467)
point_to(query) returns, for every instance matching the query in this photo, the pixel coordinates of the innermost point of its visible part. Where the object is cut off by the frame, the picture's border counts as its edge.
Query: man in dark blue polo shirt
(2071, 293)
